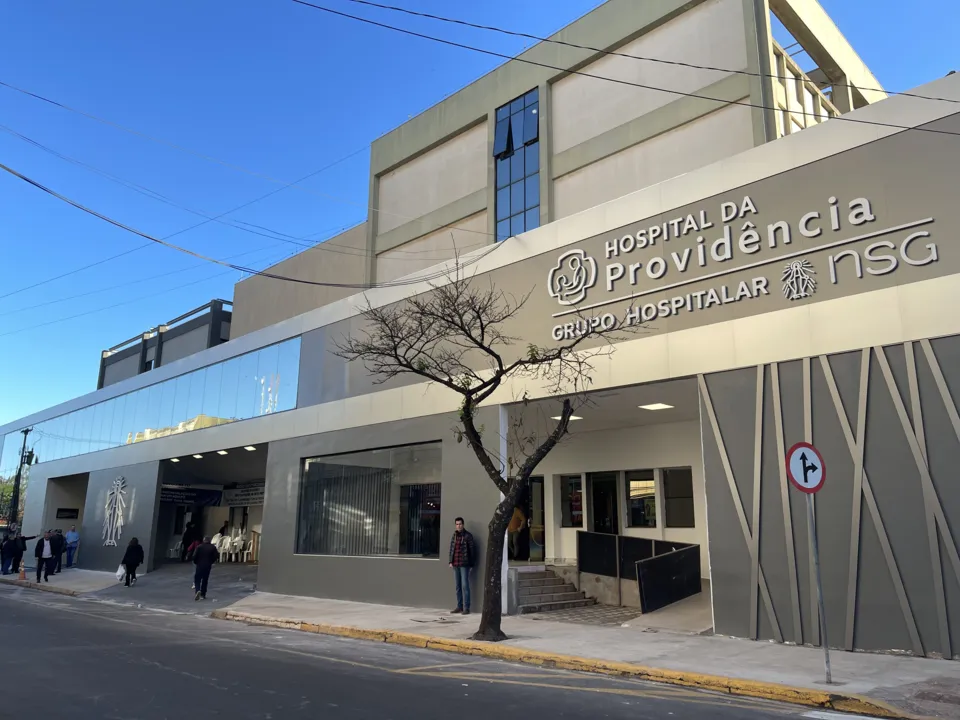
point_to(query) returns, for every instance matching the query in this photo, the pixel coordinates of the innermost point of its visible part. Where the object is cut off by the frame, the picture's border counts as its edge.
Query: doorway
(526, 533)
(604, 505)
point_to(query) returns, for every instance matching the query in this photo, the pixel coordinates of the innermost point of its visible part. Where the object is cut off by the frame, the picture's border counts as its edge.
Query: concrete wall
(466, 491)
(189, 343)
(64, 492)
(711, 34)
(636, 448)
(462, 237)
(259, 302)
(139, 520)
(885, 421)
(707, 139)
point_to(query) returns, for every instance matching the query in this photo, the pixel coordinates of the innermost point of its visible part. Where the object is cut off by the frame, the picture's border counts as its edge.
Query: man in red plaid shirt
(462, 558)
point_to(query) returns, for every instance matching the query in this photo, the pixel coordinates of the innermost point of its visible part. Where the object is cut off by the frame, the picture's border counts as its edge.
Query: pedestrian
(223, 530)
(462, 558)
(189, 537)
(19, 550)
(6, 553)
(204, 558)
(132, 559)
(46, 560)
(73, 542)
(59, 548)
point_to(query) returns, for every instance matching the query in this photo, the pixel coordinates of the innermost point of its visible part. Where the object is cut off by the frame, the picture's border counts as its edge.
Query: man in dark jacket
(46, 560)
(60, 547)
(19, 548)
(204, 558)
(462, 557)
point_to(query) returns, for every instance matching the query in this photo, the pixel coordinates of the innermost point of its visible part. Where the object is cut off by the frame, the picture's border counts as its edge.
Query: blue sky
(274, 87)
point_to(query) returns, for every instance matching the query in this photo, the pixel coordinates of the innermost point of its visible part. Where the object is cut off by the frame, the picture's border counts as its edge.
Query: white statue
(113, 512)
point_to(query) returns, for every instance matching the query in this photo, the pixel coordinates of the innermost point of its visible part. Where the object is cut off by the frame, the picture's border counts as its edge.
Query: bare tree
(455, 335)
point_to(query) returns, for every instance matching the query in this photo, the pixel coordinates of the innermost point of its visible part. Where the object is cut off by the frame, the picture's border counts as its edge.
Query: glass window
(228, 390)
(248, 386)
(140, 415)
(503, 229)
(180, 402)
(267, 360)
(532, 192)
(378, 502)
(96, 427)
(195, 398)
(516, 197)
(501, 137)
(532, 97)
(678, 498)
(516, 166)
(516, 131)
(533, 158)
(531, 123)
(571, 501)
(151, 410)
(106, 423)
(211, 395)
(82, 430)
(641, 499)
(288, 374)
(503, 203)
(517, 105)
(516, 224)
(168, 392)
(503, 172)
(117, 436)
(532, 219)
(69, 449)
(503, 113)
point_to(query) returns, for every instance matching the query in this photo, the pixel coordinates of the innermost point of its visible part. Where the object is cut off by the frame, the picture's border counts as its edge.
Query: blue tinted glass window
(195, 398)
(533, 218)
(503, 229)
(532, 192)
(533, 158)
(516, 224)
(517, 131)
(168, 391)
(288, 373)
(503, 112)
(532, 97)
(503, 203)
(503, 172)
(517, 105)
(501, 137)
(516, 197)
(531, 123)
(228, 391)
(516, 166)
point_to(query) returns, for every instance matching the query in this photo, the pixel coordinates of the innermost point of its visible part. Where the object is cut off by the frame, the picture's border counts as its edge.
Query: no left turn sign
(805, 467)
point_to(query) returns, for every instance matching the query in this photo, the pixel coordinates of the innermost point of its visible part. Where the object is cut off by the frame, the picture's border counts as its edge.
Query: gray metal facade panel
(418, 582)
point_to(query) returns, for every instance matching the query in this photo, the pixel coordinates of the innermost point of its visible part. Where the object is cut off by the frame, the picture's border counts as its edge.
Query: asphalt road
(70, 657)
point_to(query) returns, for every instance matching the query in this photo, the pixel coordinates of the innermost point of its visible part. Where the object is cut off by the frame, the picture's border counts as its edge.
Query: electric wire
(679, 63)
(527, 61)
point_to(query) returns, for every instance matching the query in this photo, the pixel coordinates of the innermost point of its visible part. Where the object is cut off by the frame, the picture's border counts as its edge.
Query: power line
(493, 53)
(233, 266)
(679, 63)
(224, 163)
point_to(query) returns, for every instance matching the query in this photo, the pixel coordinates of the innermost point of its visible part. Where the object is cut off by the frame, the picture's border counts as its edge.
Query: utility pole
(15, 498)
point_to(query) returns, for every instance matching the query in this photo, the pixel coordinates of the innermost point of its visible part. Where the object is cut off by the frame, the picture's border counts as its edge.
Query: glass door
(604, 506)
(538, 531)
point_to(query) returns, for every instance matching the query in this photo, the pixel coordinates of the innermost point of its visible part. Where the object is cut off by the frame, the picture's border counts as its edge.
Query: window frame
(628, 500)
(516, 133)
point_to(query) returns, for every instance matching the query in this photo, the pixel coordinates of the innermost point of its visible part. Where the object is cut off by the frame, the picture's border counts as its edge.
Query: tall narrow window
(516, 147)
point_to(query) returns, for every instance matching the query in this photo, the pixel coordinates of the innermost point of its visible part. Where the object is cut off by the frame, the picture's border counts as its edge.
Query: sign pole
(815, 549)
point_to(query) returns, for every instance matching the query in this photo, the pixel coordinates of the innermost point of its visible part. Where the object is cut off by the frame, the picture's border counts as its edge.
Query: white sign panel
(805, 467)
(248, 495)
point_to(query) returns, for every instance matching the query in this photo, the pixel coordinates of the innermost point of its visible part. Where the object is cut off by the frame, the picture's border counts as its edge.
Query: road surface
(67, 657)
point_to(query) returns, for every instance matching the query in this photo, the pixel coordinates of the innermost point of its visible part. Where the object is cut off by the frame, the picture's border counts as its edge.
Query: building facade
(798, 288)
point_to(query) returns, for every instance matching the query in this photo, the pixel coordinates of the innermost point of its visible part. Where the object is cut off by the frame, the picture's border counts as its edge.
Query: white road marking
(825, 715)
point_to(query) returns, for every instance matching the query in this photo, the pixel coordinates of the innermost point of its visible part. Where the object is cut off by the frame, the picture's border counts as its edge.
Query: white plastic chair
(174, 553)
(224, 548)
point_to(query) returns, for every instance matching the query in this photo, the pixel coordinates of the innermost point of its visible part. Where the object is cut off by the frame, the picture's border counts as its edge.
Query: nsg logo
(575, 273)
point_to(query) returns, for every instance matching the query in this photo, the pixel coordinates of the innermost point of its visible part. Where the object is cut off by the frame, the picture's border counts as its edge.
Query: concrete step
(557, 605)
(537, 575)
(526, 583)
(551, 598)
(538, 590)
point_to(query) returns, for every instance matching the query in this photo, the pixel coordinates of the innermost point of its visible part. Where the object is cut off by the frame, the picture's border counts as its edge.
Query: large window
(678, 498)
(571, 501)
(516, 147)
(377, 502)
(257, 383)
(641, 499)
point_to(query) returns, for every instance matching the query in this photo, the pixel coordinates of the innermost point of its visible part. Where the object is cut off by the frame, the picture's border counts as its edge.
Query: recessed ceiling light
(199, 457)
(656, 406)
(572, 417)
(221, 452)
(174, 459)
(251, 448)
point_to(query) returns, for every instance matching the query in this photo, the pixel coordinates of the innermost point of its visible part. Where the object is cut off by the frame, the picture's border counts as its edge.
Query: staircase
(543, 591)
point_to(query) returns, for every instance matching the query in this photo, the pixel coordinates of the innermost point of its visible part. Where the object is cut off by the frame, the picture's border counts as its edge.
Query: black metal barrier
(665, 579)
(597, 553)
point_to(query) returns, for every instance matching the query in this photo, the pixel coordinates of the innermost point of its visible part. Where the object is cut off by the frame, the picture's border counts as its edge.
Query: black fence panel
(632, 550)
(597, 553)
(665, 579)
(662, 547)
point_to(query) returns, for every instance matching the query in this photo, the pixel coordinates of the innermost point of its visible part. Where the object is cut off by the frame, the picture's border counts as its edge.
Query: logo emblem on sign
(798, 280)
(575, 273)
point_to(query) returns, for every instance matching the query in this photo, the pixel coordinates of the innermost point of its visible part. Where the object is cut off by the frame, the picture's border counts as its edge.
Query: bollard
(23, 572)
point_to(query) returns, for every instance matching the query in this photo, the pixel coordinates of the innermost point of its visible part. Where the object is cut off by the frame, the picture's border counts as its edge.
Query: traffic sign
(805, 467)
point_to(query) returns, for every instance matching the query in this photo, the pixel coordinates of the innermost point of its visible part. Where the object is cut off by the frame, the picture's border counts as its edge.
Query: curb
(39, 586)
(840, 702)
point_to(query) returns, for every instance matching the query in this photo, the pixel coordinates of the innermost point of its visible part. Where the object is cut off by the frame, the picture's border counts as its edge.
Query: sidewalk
(883, 685)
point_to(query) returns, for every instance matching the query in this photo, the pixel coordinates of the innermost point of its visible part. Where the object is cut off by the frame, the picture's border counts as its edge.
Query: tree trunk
(492, 590)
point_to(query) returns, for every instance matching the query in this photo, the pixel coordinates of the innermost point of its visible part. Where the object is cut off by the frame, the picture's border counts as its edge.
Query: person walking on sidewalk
(43, 552)
(204, 558)
(73, 542)
(6, 553)
(19, 549)
(59, 548)
(132, 559)
(462, 558)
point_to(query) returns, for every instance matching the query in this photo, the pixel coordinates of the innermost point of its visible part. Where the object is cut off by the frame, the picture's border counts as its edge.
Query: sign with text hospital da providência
(687, 260)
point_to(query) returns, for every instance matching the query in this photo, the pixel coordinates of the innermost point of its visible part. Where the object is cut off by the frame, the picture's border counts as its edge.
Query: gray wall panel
(734, 393)
(140, 516)
(419, 582)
